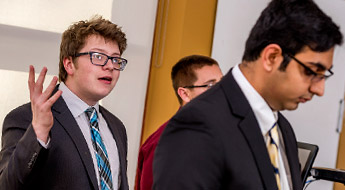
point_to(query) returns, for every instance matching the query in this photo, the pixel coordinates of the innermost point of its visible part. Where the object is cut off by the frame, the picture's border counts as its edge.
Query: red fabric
(144, 176)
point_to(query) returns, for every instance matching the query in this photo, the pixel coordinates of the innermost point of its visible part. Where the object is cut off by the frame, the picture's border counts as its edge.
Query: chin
(100, 95)
(103, 95)
(105, 91)
(291, 107)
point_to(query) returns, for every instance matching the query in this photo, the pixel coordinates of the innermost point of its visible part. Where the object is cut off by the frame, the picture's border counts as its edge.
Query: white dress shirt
(77, 108)
(264, 115)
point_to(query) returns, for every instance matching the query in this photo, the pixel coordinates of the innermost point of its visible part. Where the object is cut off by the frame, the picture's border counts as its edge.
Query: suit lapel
(250, 129)
(65, 118)
(118, 136)
(291, 151)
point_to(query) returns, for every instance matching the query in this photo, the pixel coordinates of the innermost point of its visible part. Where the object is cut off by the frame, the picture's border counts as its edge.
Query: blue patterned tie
(100, 151)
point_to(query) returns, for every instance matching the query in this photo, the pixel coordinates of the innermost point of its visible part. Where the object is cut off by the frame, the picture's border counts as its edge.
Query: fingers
(36, 88)
(50, 88)
(31, 81)
(40, 80)
(53, 98)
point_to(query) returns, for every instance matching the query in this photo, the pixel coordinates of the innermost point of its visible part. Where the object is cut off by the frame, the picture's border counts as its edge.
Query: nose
(109, 65)
(318, 88)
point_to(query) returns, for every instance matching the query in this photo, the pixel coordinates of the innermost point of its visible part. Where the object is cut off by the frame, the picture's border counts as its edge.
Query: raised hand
(41, 103)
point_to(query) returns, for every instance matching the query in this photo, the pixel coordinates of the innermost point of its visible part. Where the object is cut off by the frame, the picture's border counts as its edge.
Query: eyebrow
(102, 51)
(320, 66)
(211, 80)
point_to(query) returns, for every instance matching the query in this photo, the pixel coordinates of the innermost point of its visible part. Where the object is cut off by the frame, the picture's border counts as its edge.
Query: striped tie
(100, 151)
(272, 147)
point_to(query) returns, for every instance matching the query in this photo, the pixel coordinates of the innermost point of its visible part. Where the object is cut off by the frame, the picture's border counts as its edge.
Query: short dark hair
(183, 72)
(293, 25)
(73, 39)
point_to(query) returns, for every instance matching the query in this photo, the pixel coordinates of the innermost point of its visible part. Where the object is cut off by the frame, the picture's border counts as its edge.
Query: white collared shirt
(264, 115)
(77, 108)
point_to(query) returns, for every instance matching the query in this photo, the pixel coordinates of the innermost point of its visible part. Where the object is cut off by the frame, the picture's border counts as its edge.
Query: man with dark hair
(191, 76)
(233, 136)
(63, 138)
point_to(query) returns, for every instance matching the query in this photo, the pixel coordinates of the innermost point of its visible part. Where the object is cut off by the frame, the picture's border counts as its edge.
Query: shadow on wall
(21, 47)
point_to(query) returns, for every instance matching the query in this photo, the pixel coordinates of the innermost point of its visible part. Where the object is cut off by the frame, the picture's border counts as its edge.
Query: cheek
(199, 91)
(283, 91)
(294, 85)
(293, 91)
(116, 76)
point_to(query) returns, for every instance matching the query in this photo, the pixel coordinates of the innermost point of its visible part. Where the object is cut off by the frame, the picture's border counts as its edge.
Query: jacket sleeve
(20, 149)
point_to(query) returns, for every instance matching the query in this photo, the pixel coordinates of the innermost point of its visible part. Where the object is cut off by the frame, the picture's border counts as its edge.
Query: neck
(80, 95)
(258, 78)
(253, 73)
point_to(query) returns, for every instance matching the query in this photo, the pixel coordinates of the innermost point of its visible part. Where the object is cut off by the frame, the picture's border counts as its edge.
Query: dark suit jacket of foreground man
(224, 145)
(66, 164)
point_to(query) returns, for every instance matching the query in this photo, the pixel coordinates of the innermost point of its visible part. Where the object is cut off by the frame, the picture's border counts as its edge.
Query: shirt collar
(74, 103)
(263, 113)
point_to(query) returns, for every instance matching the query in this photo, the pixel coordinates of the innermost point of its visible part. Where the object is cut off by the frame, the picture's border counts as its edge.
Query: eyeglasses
(315, 77)
(101, 59)
(201, 86)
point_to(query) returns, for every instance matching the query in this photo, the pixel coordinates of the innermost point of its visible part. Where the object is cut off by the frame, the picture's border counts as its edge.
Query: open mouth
(108, 79)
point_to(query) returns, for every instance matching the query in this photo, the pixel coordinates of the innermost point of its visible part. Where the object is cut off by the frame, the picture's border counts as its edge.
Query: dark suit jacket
(66, 164)
(215, 142)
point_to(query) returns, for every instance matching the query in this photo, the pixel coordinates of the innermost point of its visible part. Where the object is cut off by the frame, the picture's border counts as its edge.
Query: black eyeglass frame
(200, 86)
(316, 75)
(122, 64)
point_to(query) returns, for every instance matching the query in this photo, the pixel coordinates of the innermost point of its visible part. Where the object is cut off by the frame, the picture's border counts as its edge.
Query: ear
(271, 57)
(184, 95)
(69, 65)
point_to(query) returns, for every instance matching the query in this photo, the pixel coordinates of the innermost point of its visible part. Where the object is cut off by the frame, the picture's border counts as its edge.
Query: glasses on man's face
(101, 59)
(201, 86)
(315, 77)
